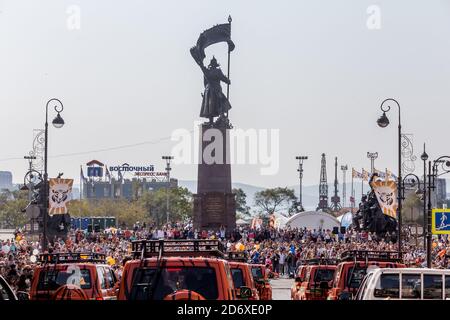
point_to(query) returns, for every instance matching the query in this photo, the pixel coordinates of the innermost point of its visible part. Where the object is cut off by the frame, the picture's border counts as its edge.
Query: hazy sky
(312, 69)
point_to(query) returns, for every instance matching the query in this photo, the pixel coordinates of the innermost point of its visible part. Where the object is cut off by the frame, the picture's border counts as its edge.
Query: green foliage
(270, 201)
(11, 206)
(149, 207)
(155, 204)
(412, 209)
(242, 209)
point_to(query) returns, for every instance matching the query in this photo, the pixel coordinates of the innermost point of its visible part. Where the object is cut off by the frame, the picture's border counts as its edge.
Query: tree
(11, 206)
(241, 203)
(276, 199)
(155, 204)
(126, 212)
(412, 204)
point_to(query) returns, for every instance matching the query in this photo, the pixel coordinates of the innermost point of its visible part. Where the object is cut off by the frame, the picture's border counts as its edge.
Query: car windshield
(257, 273)
(53, 279)
(323, 275)
(238, 277)
(355, 276)
(201, 280)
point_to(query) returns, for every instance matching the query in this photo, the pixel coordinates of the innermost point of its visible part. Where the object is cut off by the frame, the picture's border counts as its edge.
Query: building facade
(6, 180)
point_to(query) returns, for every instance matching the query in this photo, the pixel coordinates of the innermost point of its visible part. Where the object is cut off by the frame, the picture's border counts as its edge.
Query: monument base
(214, 203)
(213, 210)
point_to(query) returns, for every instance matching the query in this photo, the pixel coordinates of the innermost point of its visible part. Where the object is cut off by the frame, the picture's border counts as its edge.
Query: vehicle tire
(184, 295)
(69, 292)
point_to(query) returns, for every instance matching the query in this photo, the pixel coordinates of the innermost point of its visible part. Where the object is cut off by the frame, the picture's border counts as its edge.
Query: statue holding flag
(215, 103)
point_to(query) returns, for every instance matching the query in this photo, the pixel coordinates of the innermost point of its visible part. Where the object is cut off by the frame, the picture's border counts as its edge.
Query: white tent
(240, 222)
(346, 219)
(313, 220)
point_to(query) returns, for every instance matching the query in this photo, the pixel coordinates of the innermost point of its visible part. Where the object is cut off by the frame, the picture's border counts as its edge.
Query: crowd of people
(281, 250)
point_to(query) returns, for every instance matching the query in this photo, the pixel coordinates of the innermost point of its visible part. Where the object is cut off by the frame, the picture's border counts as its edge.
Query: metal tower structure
(344, 191)
(323, 186)
(336, 200)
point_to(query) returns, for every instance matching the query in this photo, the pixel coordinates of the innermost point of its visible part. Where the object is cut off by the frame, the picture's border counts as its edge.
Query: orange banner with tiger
(60, 193)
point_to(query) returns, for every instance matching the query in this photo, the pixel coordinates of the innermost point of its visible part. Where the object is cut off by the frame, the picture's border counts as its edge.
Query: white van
(405, 284)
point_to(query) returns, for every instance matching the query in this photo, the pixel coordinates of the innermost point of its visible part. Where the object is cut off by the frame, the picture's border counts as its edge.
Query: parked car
(6, 293)
(405, 284)
(73, 276)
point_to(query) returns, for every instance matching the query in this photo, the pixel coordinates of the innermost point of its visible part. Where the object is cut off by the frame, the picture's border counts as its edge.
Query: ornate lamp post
(168, 169)
(433, 173)
(372, 156)
(383, 122)
(58, 123)
(424, 158)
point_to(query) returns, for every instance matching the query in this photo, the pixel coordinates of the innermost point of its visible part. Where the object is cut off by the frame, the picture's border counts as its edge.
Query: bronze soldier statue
(215, 103)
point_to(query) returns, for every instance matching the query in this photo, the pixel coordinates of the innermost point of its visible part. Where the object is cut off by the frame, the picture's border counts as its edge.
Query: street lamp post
(424, 158)
(383, 122)
(58, 122)
(444, 161)
(412, 180)
(300, 171)
(168, 169)
(344, 184)
(372, 156)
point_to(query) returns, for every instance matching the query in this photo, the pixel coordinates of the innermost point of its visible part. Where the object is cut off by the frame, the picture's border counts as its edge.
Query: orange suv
(261, 279)
(318, 280)
(300, 276)
(354, 266)
(242, 275)
(73, 276)
(178, 270)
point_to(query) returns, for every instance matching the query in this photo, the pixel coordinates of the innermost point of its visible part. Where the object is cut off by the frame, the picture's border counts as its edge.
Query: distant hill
(310, 194)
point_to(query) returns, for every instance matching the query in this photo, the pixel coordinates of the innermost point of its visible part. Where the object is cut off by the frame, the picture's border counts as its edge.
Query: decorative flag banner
(59, 195)
(356, 174)
(390, 175)
(381, 174)
(386, 193)
(365, 175)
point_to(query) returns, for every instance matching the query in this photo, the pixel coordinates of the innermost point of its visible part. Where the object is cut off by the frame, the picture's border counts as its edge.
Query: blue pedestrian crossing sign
(440, 221)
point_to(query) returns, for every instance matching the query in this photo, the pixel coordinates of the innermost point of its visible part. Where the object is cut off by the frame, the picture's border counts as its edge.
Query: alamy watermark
(374, 19)
(73, 21)
(251, 146)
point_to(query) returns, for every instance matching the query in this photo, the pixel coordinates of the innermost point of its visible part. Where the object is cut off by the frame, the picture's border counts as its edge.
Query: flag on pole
(365, 175)
(216, 34)
(356, 174)
(390, 175)
(60, 193)
(381, 174)
(386, 193)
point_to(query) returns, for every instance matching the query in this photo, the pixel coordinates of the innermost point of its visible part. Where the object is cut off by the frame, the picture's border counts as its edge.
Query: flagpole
(228, 74)
(353, 198)
(362, 183)
(81, 182)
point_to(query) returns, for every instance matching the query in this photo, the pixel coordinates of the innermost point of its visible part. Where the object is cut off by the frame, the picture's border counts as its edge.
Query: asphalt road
(281, 289)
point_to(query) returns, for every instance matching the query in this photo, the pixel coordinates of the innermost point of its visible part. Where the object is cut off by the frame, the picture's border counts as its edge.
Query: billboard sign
(136, 169)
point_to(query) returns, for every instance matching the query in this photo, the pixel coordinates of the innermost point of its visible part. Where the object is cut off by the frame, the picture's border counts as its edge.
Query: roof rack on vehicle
(240, 256)
(77, 257)
(321, 261)
(177, 248)
(367, 255)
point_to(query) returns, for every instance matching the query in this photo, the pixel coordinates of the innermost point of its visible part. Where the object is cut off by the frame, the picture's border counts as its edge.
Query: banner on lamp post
(60, 193)
(386, 193)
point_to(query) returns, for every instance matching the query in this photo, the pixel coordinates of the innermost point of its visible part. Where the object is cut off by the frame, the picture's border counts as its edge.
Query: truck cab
(354, 266)
(178, 270)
